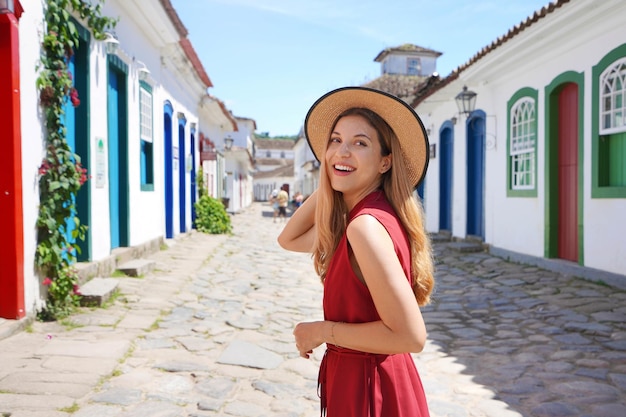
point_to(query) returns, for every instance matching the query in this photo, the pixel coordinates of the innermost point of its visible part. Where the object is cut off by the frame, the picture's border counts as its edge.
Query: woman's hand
(308, 337)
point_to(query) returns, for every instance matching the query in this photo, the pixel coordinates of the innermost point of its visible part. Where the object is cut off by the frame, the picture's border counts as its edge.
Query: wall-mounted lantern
(466, 101)
(111, 43)
(228, 143)
(142, 71)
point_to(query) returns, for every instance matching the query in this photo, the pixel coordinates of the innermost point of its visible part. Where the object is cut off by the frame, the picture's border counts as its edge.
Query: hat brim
(405, 123)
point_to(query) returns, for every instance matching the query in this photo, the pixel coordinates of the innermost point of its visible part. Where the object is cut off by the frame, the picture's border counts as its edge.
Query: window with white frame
(609, 147)
(613, 98)
(523, 144)
(146, 137)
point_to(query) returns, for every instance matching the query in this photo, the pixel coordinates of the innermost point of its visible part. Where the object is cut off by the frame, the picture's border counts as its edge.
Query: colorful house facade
(136, 131)
(538, 168)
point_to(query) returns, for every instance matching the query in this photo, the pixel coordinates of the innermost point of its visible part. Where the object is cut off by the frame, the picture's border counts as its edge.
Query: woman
(365, 230)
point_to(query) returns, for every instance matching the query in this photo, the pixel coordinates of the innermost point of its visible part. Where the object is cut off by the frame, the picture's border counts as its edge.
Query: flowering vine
(61, 174)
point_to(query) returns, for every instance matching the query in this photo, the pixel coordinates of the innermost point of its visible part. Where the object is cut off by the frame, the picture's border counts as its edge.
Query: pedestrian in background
(297, 200)
(283, 202)
(365, 229)
(274, 202)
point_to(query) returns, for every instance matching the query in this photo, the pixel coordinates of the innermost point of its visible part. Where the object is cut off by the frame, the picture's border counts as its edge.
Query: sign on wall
(100, 163)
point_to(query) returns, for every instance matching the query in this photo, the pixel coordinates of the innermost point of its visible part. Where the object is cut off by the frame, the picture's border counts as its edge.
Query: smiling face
(354, 158)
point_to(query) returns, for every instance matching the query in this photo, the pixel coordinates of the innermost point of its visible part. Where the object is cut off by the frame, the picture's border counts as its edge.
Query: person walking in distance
(274, 202)
(283, 202)
(365, 229)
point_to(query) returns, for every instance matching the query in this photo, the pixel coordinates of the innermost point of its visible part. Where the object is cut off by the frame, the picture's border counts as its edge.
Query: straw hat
(399, 115)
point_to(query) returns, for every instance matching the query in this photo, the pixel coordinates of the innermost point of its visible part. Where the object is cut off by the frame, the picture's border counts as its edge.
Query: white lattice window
(145, 108)
(522, 146)
(146, 138)
(613, 98)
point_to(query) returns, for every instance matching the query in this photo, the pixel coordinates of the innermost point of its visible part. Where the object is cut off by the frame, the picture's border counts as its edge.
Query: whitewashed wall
(574, 38)
(397, 64)
(30, 30)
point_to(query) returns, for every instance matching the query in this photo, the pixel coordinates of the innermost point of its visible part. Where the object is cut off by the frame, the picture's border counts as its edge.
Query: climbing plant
(61, 174)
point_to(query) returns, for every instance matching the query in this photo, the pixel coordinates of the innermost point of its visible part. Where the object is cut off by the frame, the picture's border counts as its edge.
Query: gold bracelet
(332, 332)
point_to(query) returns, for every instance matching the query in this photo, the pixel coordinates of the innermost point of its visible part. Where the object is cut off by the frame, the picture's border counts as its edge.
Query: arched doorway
(564, 181)
(476, 174)
(192, 147)
(182, 173)
(446, 163)
(168, 111)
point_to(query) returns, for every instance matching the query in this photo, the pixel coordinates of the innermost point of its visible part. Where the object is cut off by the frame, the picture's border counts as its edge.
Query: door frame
(182, 173)
(446, 160)
(82, 148)
(475, 170)
(551, 208)
(168, 168)
(118, 68)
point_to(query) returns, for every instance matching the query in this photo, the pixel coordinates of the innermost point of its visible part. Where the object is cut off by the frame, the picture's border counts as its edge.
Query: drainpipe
(11, 209)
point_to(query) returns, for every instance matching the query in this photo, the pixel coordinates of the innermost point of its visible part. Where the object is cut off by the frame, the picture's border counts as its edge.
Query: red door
(568, 173)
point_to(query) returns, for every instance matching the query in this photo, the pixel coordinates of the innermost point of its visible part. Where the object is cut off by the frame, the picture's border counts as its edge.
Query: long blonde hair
(331, 212)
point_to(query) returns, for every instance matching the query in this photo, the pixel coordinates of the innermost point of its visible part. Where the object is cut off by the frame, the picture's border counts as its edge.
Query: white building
(275, 167)
(537, 169)
(238, 150)
(135, 130)
(305, 167)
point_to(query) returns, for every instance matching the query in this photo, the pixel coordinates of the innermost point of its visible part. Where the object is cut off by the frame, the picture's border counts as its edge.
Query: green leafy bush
(211, 216)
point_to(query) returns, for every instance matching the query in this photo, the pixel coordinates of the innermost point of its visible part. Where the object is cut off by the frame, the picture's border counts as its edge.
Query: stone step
(97, 291)
(137, 267)
(440, 237)
(466, 247)
(474, 239)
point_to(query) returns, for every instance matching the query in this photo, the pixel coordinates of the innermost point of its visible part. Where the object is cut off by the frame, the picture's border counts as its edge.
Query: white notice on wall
(100, 163)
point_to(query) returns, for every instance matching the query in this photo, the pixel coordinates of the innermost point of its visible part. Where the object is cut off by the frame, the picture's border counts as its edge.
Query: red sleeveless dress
(359, 384)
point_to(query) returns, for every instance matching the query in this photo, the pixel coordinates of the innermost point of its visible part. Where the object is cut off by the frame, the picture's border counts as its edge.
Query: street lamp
(228, 143)
(7, 6)
(466, 101)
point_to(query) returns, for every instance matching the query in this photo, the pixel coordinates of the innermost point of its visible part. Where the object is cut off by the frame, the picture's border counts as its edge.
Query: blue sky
(269, 60)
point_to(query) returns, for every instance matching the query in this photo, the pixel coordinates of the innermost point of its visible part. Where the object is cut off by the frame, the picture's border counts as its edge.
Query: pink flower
(74, 97)
(76, 289)
(47, 281)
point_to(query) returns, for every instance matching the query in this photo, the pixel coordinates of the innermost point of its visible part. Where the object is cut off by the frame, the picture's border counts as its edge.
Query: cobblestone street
(208, 333)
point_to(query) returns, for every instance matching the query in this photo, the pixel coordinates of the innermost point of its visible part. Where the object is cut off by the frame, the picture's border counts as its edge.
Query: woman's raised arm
(299, 232)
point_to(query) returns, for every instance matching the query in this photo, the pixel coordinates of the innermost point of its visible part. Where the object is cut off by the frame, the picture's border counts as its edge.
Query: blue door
(475, 174)
(193, 178)
(76, 122)
(182, 172)
(118, 155)
(80, 73)
(69, 120)
(168, 111)
(446, 139)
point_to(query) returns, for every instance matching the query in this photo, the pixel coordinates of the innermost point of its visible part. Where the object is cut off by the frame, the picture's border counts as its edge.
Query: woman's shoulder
(375, 204)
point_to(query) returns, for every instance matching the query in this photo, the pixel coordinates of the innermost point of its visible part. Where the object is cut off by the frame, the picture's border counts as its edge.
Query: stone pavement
(208, 333)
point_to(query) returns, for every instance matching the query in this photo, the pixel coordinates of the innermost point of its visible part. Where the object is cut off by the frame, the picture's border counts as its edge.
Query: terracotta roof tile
(171, 12)
(195, 61)
(284, 144)
(515, 30)
(285, 171)
(402, 86)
